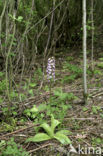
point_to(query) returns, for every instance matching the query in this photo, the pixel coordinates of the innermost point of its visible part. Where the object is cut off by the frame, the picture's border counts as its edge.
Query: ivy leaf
(38, 137)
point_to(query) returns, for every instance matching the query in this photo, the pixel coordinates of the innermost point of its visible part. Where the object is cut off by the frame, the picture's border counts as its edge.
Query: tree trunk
(84, 52)
(92, 20)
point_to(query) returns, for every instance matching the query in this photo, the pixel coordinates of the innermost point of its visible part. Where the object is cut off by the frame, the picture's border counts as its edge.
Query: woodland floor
(84, 121)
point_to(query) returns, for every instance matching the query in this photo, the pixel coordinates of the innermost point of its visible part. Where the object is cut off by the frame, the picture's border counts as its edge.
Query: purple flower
(51, 69)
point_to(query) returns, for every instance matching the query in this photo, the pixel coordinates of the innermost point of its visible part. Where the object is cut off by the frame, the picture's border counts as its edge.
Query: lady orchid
(51, 69)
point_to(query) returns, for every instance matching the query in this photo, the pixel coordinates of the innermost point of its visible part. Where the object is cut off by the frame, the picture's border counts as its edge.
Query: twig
(79, 118)
(36, 149)
(17, 131)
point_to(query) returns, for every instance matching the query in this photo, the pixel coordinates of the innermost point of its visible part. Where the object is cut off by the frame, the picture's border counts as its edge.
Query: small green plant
(64, 96)
(38, 74)
(46, 88)
(96, 109)
(36, 114)
(85, 109)
(11, 149)
(61, 136)
(70, 78)
(2, 83)
(1, 100)
(73, 68)
(97, 141)
(59, 104)
(32, 113)
(97, 72)
(2, 144)
(100, 65)
(89, 72)
(9, 125)
(69, 58)
(76, 125)
(22, 97)
(29, 88)
(101, 115)
(59, 111)
(1, 74)
(13, 95)
(2, 86)
(32, 84)
(12, 112)
(74, 71)
(101, 59)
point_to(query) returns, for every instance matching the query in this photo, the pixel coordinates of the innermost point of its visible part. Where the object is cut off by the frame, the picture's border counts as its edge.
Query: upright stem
(50, 90)
(92, 19)
(8, 72)
(1, 18)
(84, 51)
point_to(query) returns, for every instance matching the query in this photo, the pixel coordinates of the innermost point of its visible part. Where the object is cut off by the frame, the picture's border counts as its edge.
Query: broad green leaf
(65, 132)
(48, 129)
(54, 123)
(38, 137)
(62, 138)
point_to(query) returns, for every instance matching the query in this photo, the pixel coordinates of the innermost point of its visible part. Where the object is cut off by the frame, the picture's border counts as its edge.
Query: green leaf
(20, 18)
(94, 109)
(14, 113)
(1, 74)
(62, 138)
(33, 116)
(100, 65)
(31, 91)
(48, 129)
(32, 84)
(42, 107)
(101, 115)
(101, 59)
(38, 137)
(85, 109)
(98, 140)
(2, 143)
(65, 132)
(54, 123)
(34, 109)
(58, 93)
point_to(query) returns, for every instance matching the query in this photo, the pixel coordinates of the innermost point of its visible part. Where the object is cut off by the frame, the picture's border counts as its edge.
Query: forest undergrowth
(32, 105)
